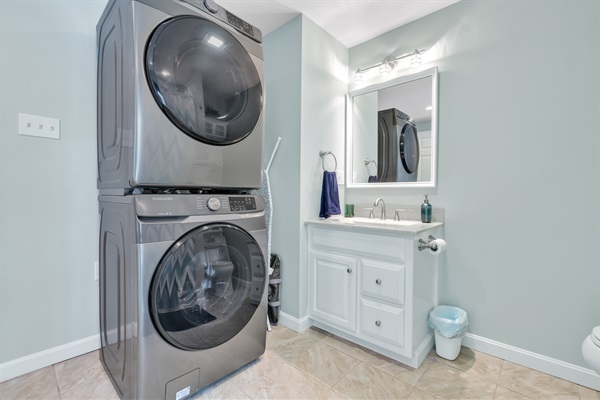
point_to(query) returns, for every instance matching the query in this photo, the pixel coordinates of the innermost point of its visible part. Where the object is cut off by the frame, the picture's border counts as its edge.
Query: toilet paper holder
(427, 245)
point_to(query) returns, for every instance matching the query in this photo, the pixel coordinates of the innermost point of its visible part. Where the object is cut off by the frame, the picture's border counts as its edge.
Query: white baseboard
(12, 369)
(560, 369)
(295, 324)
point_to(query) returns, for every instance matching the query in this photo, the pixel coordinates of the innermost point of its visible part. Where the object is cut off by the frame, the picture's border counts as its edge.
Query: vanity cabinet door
(332, 297)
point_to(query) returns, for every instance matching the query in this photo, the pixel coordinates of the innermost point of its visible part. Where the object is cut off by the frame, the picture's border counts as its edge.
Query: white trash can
(450, 325)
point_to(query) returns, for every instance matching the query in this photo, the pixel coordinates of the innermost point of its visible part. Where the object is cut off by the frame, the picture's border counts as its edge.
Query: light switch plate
(34, 125)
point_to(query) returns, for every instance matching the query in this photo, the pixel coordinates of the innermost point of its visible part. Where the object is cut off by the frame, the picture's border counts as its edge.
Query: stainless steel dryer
(183, 298)
(180, 96)
(397, 147)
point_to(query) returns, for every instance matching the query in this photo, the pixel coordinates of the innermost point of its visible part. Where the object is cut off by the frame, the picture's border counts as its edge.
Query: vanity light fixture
(388, 64)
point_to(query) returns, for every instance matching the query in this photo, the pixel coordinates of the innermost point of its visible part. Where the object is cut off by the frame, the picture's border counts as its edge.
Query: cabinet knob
(349, 270)
(378, 323)
(378, 281)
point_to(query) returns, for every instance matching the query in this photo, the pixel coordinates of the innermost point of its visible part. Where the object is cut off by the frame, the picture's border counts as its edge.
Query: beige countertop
(376, 225)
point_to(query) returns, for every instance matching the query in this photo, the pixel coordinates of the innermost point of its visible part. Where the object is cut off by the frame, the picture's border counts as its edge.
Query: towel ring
(323, 154)
(367, 163)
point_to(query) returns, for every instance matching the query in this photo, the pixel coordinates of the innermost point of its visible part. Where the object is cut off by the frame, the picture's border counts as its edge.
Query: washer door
(204, 80)
(409, 148)
(207, 286)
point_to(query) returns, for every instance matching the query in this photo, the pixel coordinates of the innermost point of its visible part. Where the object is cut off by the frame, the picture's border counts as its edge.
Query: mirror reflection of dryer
(180, 97)
(397, 147)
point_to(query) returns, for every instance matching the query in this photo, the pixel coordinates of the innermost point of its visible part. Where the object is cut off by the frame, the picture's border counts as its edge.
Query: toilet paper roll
(439, 245)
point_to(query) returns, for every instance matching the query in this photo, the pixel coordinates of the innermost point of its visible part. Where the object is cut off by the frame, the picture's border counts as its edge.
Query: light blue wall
(48, 207)
(324, 87)
(518, 165)
(283, 58)
(306, 79)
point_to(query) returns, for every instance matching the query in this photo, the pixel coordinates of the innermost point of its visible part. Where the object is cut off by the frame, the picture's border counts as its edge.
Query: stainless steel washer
(180, 97)
(183, 299)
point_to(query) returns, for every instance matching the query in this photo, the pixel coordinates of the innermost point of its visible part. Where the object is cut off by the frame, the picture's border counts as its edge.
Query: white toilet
(591, 349)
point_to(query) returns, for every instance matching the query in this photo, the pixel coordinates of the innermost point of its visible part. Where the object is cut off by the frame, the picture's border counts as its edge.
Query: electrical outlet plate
(34, 125)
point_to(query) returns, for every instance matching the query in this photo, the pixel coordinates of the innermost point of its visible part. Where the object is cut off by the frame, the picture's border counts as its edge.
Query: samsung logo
(162, 198)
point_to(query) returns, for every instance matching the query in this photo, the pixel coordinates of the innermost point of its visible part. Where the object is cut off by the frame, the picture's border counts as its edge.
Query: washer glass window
(204, 80)
(207, 287)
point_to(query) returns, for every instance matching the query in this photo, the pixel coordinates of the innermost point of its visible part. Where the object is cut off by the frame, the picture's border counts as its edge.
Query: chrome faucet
(397, 213)
(382, 206)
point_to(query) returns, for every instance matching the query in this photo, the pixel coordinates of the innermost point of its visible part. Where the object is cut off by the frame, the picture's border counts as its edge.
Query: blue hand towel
(330, 200)
(372, 178)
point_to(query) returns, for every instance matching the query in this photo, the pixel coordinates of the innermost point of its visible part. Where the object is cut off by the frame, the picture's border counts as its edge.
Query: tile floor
(317, 365)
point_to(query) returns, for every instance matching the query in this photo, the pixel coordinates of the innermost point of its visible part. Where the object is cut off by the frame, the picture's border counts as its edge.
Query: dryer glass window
(207, 287)
(204, 80)
(409, 148)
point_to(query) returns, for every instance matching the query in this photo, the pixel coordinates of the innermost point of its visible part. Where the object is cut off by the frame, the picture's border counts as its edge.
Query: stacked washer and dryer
(183, 272)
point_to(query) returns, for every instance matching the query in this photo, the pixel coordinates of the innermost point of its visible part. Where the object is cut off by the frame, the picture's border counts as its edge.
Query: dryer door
(409, 148)
(207, 286)
(204, 80)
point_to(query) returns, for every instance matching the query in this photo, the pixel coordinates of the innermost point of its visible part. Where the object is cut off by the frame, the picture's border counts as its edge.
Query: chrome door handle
(378, 323)
(349, 270)
(378, 281)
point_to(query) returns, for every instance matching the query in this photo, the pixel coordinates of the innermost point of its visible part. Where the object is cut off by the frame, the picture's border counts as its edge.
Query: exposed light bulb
(385, 69)
(358, 76)
(387, 65)
(415, 60)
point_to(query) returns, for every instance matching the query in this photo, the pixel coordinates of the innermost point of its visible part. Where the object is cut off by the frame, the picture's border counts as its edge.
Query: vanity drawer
(383, 280)
(382, 322)
(359, 242)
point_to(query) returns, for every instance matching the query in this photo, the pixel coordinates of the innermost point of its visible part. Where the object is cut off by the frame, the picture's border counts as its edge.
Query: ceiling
(349, 21)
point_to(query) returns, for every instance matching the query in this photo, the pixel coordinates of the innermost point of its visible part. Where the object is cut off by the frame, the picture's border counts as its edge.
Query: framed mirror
(391, 133)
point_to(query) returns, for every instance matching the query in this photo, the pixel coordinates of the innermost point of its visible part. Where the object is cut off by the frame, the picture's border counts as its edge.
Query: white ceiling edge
(350, 21)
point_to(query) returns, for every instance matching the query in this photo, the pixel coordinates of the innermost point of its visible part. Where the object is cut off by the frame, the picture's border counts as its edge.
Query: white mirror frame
(434, 130)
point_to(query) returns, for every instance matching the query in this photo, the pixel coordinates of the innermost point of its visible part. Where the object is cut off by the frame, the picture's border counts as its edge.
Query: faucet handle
(397, 213)
(371, 216)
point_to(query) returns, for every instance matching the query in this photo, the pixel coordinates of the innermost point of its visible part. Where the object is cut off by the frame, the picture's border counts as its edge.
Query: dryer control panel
(212, 8)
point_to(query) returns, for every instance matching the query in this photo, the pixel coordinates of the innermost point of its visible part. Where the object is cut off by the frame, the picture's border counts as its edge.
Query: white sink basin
(374, 221)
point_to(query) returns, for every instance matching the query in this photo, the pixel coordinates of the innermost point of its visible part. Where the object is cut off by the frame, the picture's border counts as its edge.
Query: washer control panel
(163, 205)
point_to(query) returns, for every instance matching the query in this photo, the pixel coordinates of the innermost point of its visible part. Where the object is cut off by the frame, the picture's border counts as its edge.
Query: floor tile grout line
(342, 351)
(322, 383)
(423, 374)
(307, 374)
(60, 396)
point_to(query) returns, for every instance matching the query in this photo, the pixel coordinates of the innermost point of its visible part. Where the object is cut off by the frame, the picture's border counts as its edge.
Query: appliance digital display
(242, 203)
(240, 24)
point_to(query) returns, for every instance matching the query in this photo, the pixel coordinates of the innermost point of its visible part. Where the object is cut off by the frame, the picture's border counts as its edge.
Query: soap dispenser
(426, 211)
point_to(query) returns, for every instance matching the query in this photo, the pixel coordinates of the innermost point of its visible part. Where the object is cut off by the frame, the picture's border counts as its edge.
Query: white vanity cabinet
(373, 287)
